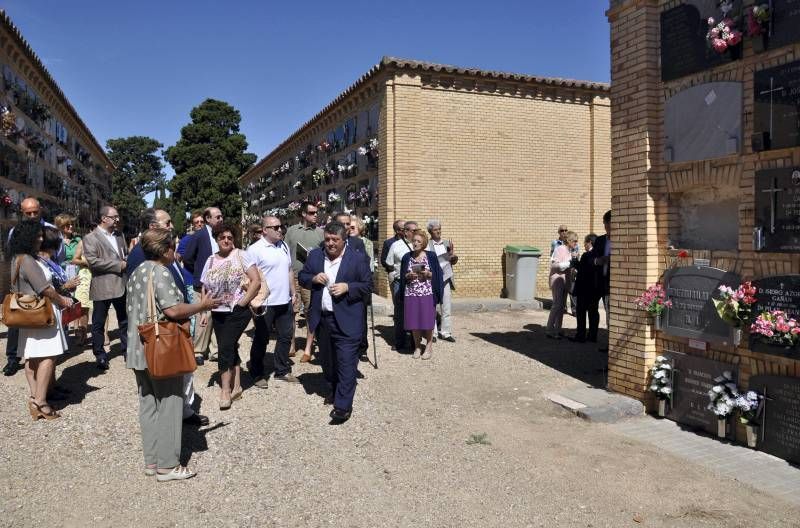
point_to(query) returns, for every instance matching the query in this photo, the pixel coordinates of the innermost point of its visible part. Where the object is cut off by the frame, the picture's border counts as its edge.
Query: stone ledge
(383, 306)
(597, 405)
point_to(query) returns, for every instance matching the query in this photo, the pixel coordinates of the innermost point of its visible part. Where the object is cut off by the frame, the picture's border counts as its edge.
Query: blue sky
(137, 68)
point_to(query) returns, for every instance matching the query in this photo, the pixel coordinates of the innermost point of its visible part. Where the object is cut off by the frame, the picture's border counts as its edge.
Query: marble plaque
(684, 49)
(785, 28)
(692, 290)
(781, 421)
(703, 122)
(777, 209)
(692, 378)
(776, 107)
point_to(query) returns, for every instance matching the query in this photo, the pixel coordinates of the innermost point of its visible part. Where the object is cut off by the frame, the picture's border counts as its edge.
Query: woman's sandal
(52, 415)
(177, 473)
(236, 394)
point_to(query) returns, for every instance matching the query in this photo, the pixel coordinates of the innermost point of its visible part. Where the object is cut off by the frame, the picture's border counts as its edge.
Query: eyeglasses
(115, 217)
(225, 237)
(276, 228)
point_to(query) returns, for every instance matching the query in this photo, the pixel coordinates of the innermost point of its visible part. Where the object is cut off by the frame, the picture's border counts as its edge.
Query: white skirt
(43, 342)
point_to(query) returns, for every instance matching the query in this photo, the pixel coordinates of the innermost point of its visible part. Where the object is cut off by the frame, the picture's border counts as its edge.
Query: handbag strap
(151, 300)
(16, 270)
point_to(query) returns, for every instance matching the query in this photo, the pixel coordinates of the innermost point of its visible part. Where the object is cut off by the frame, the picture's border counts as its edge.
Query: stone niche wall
(704, 201)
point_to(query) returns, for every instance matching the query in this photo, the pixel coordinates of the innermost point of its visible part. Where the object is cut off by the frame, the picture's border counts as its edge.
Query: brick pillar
(636, 177)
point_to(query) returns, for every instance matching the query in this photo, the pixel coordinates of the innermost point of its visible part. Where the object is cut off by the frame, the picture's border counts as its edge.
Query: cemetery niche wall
(706, 194)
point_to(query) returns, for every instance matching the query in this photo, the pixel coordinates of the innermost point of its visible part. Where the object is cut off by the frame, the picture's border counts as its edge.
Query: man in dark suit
(339, 280)
(601, 259)
(149, 219)
(398, 226)
(200, 246)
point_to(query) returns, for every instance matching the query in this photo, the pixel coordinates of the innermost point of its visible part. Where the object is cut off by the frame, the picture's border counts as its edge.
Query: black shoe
(359, 375)
(199, 360)
(12, 366)
(102, 364)
(338, 416)
(196, 419)
(449, 338)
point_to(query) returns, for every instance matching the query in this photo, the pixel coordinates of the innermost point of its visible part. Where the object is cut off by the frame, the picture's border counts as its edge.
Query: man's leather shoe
(102, 364)
(338, 416)
(196, 419)
(12, 366)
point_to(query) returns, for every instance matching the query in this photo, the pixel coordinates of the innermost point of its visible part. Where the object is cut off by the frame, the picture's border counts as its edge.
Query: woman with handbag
(151, 288)
(231, 275)
(39, 343)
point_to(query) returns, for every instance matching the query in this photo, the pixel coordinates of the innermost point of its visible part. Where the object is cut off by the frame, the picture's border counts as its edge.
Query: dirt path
(402, 460)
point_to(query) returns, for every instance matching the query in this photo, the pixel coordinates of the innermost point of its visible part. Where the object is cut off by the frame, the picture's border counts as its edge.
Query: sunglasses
(276, 228)
(311, 213)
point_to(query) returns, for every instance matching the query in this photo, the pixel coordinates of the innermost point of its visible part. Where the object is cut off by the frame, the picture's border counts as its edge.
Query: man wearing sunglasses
(105, 251)
(308, 235)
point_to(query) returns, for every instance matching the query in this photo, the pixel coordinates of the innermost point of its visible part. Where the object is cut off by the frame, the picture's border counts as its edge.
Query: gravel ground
(402, 460)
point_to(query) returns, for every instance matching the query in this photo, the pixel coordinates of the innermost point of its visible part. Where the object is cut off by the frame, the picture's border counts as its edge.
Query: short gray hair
(433, 223)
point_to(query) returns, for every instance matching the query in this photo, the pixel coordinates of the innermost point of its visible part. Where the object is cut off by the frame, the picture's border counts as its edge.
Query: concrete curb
(383, 306)
(597, 405)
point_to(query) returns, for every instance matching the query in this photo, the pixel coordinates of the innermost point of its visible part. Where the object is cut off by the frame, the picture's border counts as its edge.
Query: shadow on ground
(578, 360)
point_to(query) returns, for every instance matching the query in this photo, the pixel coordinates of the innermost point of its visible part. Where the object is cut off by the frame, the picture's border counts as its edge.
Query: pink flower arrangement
(776, 327)
(723, 35)
(757, 20)
(736, 306)
(653, 300)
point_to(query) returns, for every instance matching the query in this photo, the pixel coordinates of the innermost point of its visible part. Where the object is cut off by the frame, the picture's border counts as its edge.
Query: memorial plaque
(776, 108)
(684, 49)
(780, 292)
(780, 435)
(703, 122)
(693, 315)
(785, 27)
(692, 378)
(777, 214)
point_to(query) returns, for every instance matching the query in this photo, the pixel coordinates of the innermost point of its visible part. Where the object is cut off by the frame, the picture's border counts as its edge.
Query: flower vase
(752, 435)
(662, 408)
(657, 322)
(737, 337)
(722, 426)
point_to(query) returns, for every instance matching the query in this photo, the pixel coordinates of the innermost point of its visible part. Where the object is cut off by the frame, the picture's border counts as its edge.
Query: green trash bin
(522, 264)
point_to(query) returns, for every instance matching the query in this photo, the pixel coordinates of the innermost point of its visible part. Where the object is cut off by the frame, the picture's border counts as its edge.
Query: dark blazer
(602, 281)
(584, 282)
(197, 251)
(387, 244)
(437, 281)
(136, 258)
(349, 309)
(354, 243)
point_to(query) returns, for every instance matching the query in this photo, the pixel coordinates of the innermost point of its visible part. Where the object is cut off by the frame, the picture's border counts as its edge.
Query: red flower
(683, 253)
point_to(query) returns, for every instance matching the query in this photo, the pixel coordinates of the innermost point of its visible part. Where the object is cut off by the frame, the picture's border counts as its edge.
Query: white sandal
(177, 473)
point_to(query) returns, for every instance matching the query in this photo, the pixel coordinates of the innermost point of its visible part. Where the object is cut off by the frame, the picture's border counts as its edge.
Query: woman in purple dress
(422, 284)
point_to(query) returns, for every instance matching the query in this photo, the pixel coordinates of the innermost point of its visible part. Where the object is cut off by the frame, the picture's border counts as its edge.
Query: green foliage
(138, 173)
(209, 158)
(479, 439)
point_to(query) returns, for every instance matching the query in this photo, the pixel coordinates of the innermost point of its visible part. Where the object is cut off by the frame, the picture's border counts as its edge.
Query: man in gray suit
(106, 252)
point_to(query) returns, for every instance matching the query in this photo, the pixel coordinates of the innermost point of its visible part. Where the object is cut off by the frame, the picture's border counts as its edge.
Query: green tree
(209, 158)
(138, 173)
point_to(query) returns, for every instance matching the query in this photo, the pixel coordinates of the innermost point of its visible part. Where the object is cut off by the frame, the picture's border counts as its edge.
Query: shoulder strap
(16, 270)
(151, 300)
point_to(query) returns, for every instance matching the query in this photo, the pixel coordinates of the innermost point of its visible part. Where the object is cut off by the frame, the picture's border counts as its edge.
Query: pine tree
(209, 158)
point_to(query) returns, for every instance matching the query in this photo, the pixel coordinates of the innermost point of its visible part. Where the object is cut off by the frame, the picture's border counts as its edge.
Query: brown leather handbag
(168, 348)
(26, 311)
(263, 289)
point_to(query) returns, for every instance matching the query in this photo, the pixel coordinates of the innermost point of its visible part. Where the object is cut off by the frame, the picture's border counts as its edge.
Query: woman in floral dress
(421, 280)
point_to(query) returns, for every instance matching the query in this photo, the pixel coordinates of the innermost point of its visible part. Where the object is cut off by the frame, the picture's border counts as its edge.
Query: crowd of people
(583, 278)
(280, 278)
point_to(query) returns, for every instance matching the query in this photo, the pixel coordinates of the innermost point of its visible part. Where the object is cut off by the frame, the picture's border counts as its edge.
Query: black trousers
(11, 343)
(229, 327)
(281, 317)
(99, 316)
(587, 306)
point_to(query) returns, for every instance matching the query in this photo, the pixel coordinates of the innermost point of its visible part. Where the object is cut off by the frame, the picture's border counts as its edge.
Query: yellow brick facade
(497, 160)
(645, 190)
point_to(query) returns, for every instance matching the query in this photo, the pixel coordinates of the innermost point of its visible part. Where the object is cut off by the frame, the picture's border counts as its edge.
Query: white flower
(660, 359)
(717, 389)
(659, 374)
(666, 366)
(666, 390)
(654, 388)
(362, 151)
(727, 375)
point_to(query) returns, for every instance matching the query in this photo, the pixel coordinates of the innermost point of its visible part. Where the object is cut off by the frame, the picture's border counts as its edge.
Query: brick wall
(498, 165)
(645, 191)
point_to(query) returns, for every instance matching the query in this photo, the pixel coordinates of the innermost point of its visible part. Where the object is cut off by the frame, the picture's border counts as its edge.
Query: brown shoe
(306, 358)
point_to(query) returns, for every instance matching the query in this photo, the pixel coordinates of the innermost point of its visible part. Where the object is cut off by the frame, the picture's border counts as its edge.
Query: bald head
(31, 208)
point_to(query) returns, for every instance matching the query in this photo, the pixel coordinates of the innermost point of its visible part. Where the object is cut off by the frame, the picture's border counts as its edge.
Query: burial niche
(707, 218)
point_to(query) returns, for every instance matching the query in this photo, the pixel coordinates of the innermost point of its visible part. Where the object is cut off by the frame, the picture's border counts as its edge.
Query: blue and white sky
(138, 68)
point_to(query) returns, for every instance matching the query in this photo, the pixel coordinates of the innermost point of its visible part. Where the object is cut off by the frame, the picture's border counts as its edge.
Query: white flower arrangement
(749, 405)
(334, 197)
(293, 207)
(722, 396)
(319, 175)
(661, 378)
(368, 220)
(362, 151)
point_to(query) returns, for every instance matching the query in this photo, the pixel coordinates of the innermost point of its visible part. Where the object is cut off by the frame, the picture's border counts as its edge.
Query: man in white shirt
(396, 253)
(444, 251)
(271, 255)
